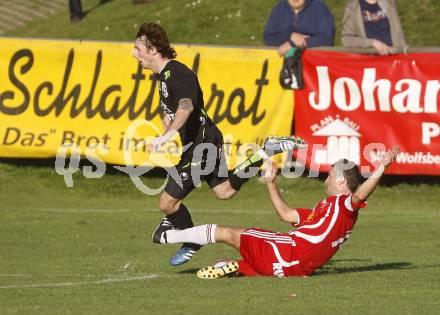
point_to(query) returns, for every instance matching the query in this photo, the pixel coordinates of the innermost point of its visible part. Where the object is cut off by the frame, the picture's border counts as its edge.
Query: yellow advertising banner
(96, 96)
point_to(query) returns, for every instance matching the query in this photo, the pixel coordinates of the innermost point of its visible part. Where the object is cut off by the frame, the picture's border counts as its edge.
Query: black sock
(181, 219)
(241, 174)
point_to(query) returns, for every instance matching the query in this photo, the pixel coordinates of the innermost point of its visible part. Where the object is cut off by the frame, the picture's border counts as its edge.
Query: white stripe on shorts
(267, 233)
(270, 236)
(274, 236)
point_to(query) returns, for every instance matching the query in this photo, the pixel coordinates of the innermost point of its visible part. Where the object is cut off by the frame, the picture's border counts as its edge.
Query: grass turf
(226, 22)
(87, 250)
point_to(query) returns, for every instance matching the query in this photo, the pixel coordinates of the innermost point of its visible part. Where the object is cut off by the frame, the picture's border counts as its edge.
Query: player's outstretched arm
(366, 189)
(285, 213)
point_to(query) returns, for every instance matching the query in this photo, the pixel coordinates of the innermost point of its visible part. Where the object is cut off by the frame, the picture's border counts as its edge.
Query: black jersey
(177, 81)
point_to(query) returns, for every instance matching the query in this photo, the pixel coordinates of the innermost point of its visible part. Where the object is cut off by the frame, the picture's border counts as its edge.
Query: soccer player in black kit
(181, 99)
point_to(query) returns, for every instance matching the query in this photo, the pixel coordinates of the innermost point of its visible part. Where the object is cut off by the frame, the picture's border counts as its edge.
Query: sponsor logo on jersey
(166, 110)
(184, 176)
(310, 217)
(164, 89)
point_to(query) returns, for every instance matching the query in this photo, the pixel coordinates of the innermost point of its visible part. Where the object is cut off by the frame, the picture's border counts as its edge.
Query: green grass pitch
(87, 250)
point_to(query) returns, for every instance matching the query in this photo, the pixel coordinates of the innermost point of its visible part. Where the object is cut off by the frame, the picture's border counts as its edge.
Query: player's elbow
(359, 196)
(186, 112)
(284, 217)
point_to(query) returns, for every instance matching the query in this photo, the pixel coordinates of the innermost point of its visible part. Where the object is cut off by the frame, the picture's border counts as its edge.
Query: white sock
(202, 235)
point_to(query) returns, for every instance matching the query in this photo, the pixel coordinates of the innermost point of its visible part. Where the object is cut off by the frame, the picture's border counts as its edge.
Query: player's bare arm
(284, 212)
(184, 110)
(366, 189)
(186, 105)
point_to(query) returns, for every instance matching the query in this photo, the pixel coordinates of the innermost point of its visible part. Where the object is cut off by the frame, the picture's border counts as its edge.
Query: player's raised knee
(224, 191)
(223, 195)
(228, 235)
(168, 204)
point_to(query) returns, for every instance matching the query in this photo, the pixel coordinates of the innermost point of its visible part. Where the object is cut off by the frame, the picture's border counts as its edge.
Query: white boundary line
(71, 284)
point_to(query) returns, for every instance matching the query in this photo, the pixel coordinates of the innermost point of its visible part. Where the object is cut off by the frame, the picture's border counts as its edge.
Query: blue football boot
(184, 254)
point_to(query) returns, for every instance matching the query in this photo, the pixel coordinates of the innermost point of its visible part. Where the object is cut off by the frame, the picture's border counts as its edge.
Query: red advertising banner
(353, 106)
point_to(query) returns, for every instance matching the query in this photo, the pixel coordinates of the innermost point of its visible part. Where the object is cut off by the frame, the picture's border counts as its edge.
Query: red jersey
(319, 234)
(321, 231)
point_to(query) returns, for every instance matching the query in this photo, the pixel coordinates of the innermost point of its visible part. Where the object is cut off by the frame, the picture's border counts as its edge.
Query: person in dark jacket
(299, 23)
(76, 11)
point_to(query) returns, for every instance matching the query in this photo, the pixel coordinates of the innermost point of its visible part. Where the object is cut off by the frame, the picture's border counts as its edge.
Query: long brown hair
(156, 36)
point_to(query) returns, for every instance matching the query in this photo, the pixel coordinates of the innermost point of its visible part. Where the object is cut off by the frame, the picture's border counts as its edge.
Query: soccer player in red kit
(318, 235)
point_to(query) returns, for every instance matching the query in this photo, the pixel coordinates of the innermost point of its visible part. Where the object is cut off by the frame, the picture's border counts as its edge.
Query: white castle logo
(342, 143)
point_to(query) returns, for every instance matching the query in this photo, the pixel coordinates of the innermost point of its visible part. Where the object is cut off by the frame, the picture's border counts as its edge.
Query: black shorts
(203, 160)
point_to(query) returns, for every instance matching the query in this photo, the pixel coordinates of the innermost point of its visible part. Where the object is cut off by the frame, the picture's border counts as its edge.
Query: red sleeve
(303, 213)
(350, 205)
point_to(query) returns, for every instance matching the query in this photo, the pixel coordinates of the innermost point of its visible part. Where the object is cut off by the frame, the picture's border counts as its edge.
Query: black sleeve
(185, 86)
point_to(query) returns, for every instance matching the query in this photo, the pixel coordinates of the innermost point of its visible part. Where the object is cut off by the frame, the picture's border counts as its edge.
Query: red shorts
(267, 253)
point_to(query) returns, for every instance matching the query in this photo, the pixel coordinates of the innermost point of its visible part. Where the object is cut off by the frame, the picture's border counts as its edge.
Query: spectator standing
(299, 23)
(372, 23)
